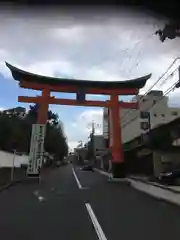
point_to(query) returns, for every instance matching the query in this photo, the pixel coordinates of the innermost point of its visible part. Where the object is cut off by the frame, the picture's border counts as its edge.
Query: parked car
(87, 168)
(170, 177)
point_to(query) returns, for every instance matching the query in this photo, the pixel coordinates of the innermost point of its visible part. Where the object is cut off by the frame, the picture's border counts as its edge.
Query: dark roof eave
(169, 148)
(19, 75)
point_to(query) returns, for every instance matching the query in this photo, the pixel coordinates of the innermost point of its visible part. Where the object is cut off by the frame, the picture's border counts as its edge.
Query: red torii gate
(81, 88)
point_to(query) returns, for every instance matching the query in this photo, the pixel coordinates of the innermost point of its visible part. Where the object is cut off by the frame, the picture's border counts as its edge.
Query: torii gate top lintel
(21, 75)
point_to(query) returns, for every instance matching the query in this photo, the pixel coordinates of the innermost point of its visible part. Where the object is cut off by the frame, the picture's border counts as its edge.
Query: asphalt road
(84, 206)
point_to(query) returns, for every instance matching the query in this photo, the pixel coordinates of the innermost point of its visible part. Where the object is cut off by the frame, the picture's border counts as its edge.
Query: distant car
(87, 168)
(170, 177)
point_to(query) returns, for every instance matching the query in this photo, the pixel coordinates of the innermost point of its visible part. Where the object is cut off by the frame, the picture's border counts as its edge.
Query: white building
(99, 143)
(131, 127)
(18, 111)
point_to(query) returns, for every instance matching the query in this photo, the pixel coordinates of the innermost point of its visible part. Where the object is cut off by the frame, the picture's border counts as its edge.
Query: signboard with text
(36, 149)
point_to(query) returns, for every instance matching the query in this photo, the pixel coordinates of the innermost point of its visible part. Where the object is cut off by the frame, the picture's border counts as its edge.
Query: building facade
(18, 111)
(132, 123)
(99, 143)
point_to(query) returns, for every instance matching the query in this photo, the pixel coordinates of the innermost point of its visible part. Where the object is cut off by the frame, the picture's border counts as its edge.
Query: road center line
(95, 222)
(77, 180)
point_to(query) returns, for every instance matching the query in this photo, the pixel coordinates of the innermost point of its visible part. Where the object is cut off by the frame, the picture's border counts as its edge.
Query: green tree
(15, 133)
(170, 30)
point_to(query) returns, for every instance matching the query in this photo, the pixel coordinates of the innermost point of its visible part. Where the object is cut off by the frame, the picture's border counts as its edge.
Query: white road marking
(95, 222)
(41, 199)
(36, 193)
(77, 180)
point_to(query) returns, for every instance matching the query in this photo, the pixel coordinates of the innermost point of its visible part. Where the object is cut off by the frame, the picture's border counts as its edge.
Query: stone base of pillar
(33, 175)
(31, 178)
(118, 170)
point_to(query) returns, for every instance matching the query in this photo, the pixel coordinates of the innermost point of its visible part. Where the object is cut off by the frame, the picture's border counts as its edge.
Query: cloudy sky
(92, 45)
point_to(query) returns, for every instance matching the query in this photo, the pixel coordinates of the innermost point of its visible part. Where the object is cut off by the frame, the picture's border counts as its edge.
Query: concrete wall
(6, 160)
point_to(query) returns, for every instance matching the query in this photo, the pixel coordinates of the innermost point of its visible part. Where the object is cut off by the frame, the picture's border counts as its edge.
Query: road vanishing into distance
(74, 205)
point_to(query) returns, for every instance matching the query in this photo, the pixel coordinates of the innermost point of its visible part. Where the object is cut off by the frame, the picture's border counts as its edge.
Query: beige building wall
(155, 103)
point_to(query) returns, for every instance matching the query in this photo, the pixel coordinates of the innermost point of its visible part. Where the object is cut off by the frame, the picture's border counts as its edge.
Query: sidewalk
(167, 193)
(175, 189)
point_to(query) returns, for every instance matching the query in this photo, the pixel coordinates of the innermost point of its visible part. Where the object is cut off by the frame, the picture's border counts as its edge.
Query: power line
(144, 42)
(129, 56)
(139, 54)
(136, 63)
(158, 80)
(171, 74)
(165, 73)
(166, 92)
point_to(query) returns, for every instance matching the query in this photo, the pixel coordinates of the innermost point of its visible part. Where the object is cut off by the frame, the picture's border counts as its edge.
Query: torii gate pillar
(117, 150)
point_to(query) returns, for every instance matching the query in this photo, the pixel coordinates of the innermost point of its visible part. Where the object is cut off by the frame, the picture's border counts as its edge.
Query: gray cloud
(120, 46)
(87, 42)
(101, 45)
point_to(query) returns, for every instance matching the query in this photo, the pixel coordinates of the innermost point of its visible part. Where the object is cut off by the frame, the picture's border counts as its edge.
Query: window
(144, 114)
(162, 115)
(174, 113)
(154, 102)
(144, 126)
(155, 115)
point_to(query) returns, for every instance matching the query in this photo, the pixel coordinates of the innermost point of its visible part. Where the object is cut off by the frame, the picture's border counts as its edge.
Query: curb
(156, 191)
(155, 184)
(8, 185)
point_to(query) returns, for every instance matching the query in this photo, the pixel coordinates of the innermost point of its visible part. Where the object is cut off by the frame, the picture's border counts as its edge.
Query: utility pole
(13, 162)
(92, 142)
(178, 82)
